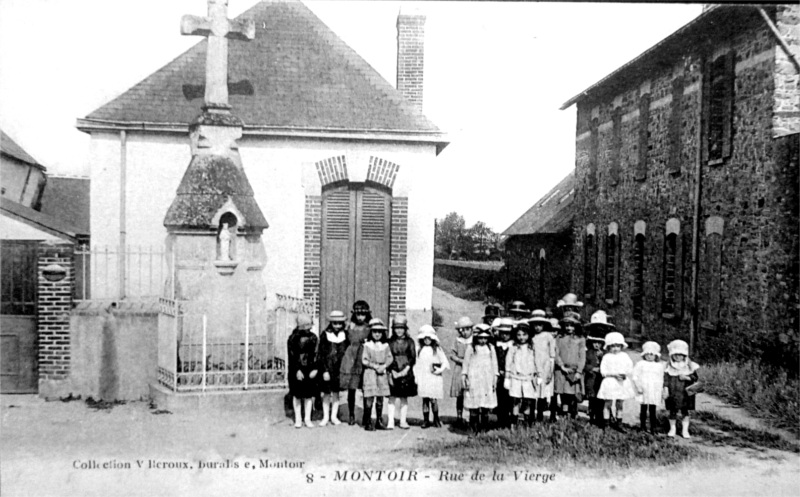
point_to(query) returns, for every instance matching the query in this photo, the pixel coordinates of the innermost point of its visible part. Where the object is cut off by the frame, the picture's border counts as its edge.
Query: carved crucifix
(217, 28)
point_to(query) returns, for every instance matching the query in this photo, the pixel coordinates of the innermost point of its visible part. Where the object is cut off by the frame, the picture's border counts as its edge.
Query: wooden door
(356, 238)
(18, 335)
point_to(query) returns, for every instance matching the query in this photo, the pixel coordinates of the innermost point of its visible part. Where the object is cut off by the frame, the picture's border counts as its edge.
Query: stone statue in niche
(224, 241)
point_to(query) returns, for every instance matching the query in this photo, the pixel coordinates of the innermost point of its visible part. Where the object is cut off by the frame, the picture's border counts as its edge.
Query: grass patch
(564, 444)
(764, 392)
(458, 289)
(717, 430)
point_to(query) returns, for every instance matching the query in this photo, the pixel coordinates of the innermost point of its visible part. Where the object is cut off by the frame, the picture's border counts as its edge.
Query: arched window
(589, 262)
(637, 295)
(671, 268)
(612, 264)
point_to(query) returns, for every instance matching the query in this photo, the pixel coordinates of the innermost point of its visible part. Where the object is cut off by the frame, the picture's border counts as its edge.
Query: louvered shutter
(336, 278)
(373, 250)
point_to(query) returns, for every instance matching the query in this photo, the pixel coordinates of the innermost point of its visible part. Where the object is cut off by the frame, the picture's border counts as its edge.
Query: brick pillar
(313, 248)
(410, 56)
(54, 304)
(399, 253)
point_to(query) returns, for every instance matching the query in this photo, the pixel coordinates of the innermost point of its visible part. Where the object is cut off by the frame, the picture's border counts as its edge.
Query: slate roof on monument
(553, 213)
(300, 76)
(12, 149)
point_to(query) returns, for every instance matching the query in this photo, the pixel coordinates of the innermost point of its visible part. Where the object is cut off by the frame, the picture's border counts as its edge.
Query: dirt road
(66, 449)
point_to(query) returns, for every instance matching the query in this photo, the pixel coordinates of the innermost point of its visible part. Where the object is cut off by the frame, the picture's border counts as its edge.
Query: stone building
(336, 156)
(538, 248)
(686, 192)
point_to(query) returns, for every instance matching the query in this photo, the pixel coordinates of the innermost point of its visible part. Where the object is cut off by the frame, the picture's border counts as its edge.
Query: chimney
(410, 54)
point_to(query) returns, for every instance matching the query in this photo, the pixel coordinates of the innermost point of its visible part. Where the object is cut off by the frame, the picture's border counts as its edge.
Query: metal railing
(109, 273)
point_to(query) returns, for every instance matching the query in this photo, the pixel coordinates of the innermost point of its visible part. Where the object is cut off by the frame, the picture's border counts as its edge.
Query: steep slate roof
(67, 198)
(10, 148)
(553, 213)
(303, 77)
(40, 221)
(718, 22)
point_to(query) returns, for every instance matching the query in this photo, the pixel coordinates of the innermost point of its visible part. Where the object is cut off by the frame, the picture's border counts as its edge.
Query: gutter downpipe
(123, 233)
(694, 325)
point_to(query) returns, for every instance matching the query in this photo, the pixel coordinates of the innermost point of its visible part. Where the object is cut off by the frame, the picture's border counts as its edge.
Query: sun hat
(400, 321)
(518, 307)
(464, 322)
(572, 317)
(538, 316)
(377, 324)
(482, 330)
(524, 326)
(554, 324)
(505, 324)
(304, 322)
(337, 317)
(569, 299)
(678, 347)
(615, 338)
(651, 348)
(600, 320)
(427, 331)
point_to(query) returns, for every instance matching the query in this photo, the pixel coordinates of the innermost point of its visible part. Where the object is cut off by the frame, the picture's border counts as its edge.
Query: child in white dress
(617, 386)
(480, 378)
(521, 380)
(431, 363)
(648, 377)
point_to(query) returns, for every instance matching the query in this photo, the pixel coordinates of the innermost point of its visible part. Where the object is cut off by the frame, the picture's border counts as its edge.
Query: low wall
(113, 352)
(483, 276)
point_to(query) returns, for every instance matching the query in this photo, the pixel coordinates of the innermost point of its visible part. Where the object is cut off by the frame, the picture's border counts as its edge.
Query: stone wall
(538, 268)
(748, 225)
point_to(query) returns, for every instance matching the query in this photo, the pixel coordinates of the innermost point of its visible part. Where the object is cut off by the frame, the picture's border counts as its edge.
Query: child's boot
(473, 424)
(672, 423)
(425, 416)
(326, 413)
(335, 413)
(553, 408)
(308, 405)
(403, 414)
(436, 422)
(653, 421)
(366, 419)
(643, 418)
(541, 404)
(390, 416)
(685, 427)
(351, 406)
(379, 415)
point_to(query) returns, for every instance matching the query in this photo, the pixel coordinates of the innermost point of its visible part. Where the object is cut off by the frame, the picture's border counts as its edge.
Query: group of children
(516, 366)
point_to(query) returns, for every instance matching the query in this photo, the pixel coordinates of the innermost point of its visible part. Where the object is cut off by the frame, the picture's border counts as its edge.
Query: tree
(449, 234)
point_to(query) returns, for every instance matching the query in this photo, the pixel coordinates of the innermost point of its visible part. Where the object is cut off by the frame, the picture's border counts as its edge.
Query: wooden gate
(356, 243)
(18, 365)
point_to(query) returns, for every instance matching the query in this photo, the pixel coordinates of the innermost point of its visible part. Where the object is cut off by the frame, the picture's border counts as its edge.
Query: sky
(496, 75)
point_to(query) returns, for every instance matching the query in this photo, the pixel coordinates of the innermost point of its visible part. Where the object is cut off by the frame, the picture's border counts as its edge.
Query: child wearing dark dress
(303, 369)
(351, 370)
(592, 377)
(504, 327)
(332, 346)
(402, 383)
(680, 385)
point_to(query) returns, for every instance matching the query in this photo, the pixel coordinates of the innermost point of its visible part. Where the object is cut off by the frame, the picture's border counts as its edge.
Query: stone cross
(217, 28)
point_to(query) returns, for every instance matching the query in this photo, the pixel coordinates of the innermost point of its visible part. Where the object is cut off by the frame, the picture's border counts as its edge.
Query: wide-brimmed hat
(492, 310)
(427, 331)
(360, 305)
(572, 317)
(538, 316)
(615, 338)
(554, 324)
(569, 299)
(337, 317)
(481, 330)
(505, 324)
(377, 324)
(518, 307)
(400, 321)
(464, 322)
(600, 319)
(522, 325)
(651, 348)
(304, 322)
(678, 347)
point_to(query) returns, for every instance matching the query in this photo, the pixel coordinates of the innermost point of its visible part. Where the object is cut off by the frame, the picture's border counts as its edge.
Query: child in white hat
(544, 348)
(616, 369)
(431, 363)
(648, 378)
(680, 385)
(504, 328)
(480, 378)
